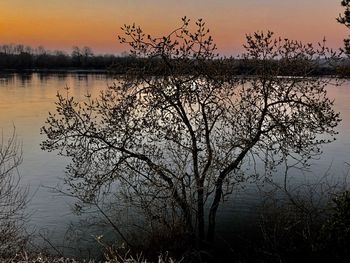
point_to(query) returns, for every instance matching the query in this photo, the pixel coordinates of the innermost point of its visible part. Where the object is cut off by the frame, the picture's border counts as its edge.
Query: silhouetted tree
(76, 57)
(87, 55)
(345, 20)
(176, 143)
(13, 198)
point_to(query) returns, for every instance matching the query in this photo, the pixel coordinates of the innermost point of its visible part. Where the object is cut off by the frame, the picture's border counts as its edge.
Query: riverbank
(57, 71)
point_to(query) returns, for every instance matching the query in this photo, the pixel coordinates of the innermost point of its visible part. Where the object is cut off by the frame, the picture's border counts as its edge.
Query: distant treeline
(22, 58)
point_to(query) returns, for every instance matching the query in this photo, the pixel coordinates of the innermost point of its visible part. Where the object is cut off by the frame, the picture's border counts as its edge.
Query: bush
(336, 231)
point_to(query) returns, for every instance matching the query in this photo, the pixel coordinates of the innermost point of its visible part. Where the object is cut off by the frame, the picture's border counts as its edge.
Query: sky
(62, 24)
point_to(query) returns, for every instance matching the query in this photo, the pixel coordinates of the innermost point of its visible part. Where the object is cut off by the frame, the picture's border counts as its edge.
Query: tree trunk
(200, 212)
(188, 219)
(212, 212)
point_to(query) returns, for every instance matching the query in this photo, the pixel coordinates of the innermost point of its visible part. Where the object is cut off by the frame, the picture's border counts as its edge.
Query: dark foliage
(21, 58)
(335, 235)
(345, 20)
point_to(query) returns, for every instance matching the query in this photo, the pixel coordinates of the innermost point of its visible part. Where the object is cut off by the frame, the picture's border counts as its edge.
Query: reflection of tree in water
(25, 79)
(7, 79)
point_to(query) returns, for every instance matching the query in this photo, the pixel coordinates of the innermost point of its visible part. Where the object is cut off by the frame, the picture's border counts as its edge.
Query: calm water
(25, 101)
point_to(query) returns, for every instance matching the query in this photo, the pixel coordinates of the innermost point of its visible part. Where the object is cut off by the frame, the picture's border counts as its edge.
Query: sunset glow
(62, 24)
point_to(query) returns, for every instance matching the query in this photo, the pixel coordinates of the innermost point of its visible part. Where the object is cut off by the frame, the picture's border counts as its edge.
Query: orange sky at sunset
(61, 24)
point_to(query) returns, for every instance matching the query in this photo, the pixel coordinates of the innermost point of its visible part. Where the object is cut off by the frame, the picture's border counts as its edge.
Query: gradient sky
(61, 24)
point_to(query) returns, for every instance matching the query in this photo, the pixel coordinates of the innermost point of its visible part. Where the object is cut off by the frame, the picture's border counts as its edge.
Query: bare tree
(179, 131)
(13, 197)
(345, 20)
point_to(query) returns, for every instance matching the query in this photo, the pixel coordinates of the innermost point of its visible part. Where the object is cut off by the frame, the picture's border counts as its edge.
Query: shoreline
(62, 70)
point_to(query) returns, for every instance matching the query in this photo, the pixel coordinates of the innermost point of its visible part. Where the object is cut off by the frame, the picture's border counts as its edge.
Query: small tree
(179, 131)
(13, 198)
(345, 20)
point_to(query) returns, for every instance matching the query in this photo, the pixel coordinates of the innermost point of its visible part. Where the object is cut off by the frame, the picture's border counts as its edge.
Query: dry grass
(112, 258)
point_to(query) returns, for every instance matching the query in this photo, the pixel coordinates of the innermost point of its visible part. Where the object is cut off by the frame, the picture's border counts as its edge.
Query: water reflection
(25, 79)
(25, 101)
(6, 79)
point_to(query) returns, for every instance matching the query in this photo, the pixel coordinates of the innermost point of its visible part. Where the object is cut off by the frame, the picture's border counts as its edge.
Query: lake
(26, 99)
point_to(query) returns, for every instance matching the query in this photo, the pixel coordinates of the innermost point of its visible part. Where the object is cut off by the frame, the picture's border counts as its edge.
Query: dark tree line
(20, 57)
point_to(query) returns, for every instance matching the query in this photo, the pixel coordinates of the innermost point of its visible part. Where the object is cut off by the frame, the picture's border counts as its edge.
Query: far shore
(60, 70)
